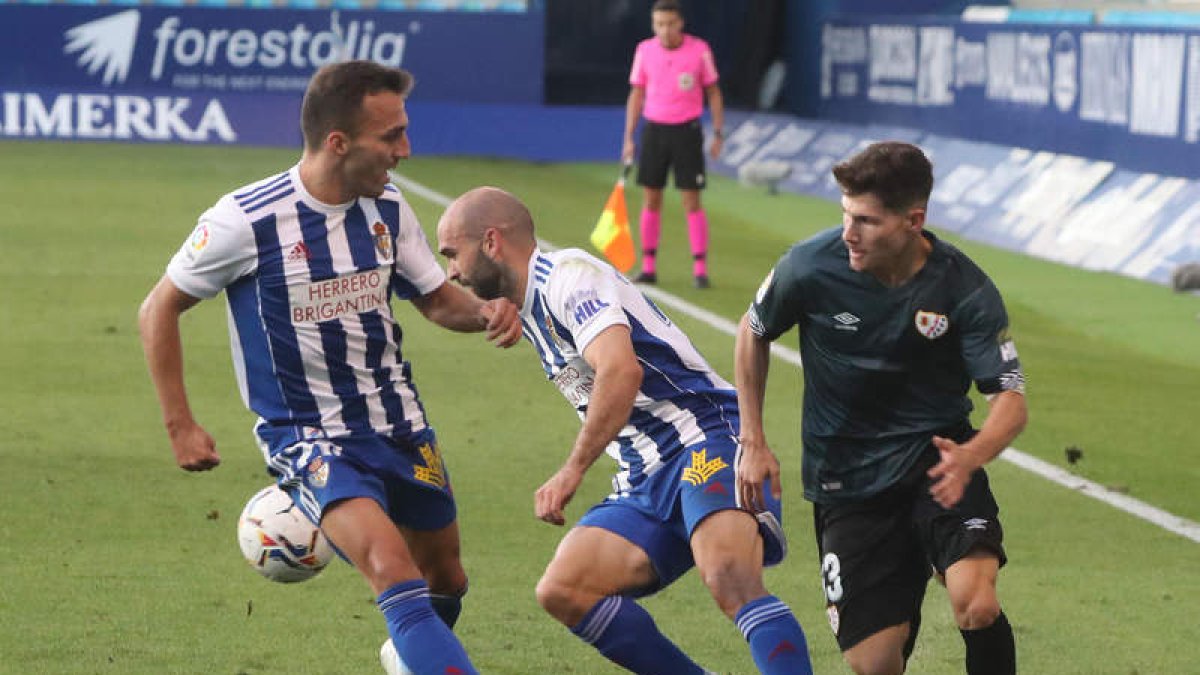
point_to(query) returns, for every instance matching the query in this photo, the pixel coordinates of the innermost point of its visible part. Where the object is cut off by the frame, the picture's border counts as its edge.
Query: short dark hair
(898, 174)
(667, 6)
(333, 101)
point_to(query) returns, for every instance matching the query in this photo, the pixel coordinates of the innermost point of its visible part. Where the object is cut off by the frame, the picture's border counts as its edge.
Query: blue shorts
(406, 476)
(660, 513)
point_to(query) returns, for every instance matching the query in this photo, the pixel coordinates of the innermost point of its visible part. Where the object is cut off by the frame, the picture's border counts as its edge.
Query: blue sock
(448, 607)
(424, 643)
(626, 635)
(776, 640)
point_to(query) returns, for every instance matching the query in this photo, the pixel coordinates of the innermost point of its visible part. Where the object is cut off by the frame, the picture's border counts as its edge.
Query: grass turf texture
(115, 561)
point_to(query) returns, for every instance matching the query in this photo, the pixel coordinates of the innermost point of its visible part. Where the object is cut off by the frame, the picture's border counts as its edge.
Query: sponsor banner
(529, 132)
(206, 52)
(150, 116)
(1066, 208)
(1121, 94)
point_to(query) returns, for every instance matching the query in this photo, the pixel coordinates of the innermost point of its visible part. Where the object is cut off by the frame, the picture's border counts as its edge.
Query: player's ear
(489, 240)
(337, 142)
(916, 217)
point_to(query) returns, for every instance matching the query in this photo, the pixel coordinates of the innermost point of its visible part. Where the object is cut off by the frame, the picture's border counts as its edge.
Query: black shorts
(877, 555)
(678, 146)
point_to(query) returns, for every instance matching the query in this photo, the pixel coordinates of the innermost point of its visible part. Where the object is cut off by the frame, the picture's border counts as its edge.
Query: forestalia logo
(702, 468)
(105, 44)
(433, 472)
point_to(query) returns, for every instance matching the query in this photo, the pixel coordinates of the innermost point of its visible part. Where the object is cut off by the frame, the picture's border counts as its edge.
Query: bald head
(487, 238)
(472, 214)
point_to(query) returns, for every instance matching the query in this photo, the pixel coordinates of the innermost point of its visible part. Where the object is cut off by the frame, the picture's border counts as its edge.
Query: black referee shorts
(667, 146)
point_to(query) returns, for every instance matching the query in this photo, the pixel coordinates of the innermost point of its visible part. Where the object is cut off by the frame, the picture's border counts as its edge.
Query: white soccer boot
(392, 663)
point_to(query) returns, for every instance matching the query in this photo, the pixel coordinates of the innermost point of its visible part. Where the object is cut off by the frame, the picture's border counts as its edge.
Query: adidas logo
(299, 252)
(105, 43)
(781, 649)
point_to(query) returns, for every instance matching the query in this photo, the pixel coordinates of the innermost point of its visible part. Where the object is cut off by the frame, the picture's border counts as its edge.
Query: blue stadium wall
(1070, 142)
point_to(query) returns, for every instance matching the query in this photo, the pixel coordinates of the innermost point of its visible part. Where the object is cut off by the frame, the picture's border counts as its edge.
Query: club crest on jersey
(702, 468)
(687, 81)
(318, 472)
(931, 324)
(551, 331)
(383, 241)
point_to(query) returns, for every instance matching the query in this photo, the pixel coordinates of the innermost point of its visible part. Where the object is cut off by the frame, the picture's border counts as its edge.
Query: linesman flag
(612, 236)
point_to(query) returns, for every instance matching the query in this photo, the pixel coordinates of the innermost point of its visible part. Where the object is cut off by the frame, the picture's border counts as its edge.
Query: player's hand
(194, 449)
(757, 466)
(714, 150)
(554, 495)
(503, 322)
(627, 150)
(952, 473)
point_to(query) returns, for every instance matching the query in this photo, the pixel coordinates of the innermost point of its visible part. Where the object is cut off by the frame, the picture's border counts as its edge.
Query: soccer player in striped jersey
(894, 326)
(309, 260)
(646, 396)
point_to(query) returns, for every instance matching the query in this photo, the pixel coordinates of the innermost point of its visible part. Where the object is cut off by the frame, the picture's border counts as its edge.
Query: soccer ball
(392, 663)
(277, 539)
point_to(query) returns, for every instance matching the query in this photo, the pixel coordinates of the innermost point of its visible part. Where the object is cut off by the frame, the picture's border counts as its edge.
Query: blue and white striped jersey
(570, 298)
(316, 348)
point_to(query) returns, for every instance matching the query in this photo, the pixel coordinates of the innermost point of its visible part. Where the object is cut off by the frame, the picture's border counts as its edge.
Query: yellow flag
(612, 236)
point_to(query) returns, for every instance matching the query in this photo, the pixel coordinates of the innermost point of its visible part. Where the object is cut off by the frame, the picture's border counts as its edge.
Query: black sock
(991, 650)
(447, 607)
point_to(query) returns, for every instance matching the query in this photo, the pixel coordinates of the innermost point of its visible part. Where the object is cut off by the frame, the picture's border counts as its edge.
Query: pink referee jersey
(674, 79)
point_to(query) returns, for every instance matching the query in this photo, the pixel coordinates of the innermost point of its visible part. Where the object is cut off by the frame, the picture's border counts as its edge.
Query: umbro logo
(299, 252)
(846, 321)
(976, 524)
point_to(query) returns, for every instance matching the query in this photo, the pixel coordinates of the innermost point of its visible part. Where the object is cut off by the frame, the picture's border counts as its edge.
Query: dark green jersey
(884, 368)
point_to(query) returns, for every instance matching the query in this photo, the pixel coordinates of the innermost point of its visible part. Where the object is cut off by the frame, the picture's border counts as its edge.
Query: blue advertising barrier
(1129, 95)
(1069, 209)
(237, 75)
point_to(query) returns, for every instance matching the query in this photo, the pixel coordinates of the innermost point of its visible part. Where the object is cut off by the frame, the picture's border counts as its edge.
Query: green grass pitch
(112, 560)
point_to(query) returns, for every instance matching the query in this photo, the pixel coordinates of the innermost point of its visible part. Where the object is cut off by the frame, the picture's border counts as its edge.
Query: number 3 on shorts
(831, 577)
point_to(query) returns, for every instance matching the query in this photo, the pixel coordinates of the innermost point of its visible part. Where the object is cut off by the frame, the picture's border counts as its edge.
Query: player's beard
(488, 279)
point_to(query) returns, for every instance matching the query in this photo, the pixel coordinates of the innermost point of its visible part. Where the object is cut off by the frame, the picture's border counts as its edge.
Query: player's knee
(875, 663)
(976, 612)
(560, 599)
(385, 565)
(447, 577)
(880, 659)
(731, 583)
(452, 582)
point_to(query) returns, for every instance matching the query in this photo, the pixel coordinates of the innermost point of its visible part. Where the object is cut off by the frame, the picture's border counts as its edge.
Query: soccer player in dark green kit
(894, 326)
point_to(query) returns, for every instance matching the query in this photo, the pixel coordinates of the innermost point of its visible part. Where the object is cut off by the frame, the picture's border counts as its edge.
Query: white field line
(1167, 521)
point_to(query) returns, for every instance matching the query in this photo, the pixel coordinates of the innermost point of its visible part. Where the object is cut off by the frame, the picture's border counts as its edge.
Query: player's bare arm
(633, 112)
(453, 307)
(751, 363)
(1006, 418)
(618, 378)
(158, 323)
(716, 109)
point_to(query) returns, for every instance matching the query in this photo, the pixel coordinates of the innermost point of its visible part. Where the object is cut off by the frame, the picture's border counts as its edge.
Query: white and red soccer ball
(277, 539)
